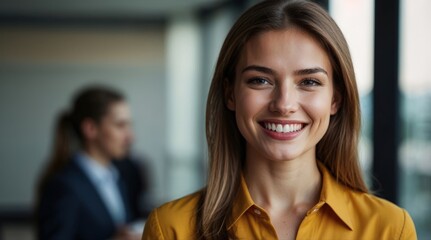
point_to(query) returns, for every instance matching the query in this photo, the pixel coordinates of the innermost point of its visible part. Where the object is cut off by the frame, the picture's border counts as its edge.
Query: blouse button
(257, 211)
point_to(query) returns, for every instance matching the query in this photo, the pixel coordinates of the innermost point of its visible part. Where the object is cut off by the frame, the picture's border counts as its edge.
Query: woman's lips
(283, 130)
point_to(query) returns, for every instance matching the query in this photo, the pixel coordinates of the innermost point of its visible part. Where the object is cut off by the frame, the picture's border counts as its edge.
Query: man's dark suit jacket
(71, 208)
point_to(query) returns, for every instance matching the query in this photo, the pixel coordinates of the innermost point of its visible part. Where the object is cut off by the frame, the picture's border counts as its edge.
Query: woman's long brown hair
(337, 150)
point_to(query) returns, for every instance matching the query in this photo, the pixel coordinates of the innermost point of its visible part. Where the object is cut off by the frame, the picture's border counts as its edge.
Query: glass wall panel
(415, 87)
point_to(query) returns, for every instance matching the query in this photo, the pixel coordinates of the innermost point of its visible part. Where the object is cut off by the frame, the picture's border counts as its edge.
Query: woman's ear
(336, 102)
(229, 95)
(89, 129)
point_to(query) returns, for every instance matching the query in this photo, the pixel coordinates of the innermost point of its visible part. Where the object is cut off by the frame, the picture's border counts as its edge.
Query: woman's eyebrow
(267, 70)
(258, 69)
(308, 71)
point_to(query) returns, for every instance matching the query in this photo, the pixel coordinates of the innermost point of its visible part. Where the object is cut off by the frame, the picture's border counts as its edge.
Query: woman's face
(114, 135)
(283, 94)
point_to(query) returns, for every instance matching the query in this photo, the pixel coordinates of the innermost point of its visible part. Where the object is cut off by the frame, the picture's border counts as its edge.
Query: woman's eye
(258, 81)
(310, 82)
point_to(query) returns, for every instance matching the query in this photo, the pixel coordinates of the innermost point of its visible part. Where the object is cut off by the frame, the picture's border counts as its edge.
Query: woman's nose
(285, 100)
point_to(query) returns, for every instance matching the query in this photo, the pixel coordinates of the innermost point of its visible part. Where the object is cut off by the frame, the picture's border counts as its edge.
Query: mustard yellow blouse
(341, 213)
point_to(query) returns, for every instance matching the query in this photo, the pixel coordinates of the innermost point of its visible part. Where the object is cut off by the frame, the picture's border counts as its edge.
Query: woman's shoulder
(64, 179)
(371, 210)
(368, 203)
(182, 207)
(173, 220)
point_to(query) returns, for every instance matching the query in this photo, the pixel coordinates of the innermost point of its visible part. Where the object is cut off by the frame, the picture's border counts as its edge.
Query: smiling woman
(282, 128)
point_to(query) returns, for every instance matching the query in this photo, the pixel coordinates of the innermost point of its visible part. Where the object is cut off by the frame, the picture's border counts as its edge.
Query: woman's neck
(97, 155)
(283, 185)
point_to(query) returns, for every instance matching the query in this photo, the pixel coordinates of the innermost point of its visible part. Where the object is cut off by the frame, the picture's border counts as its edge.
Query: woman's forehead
(291, 47)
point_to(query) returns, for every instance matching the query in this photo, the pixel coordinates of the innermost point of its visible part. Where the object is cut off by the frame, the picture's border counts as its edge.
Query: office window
(415, 92)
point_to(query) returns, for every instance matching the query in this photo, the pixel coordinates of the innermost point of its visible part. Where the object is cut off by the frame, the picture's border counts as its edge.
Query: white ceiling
(102, 8)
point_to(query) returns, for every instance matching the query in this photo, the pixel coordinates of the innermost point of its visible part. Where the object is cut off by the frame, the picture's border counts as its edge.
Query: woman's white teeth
(279, 128)
(283, 128)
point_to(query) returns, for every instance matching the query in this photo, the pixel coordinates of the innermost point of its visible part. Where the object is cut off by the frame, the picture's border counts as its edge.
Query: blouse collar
(333, 194)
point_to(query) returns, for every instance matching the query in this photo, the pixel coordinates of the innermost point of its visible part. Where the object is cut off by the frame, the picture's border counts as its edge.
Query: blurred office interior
(161, 55)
